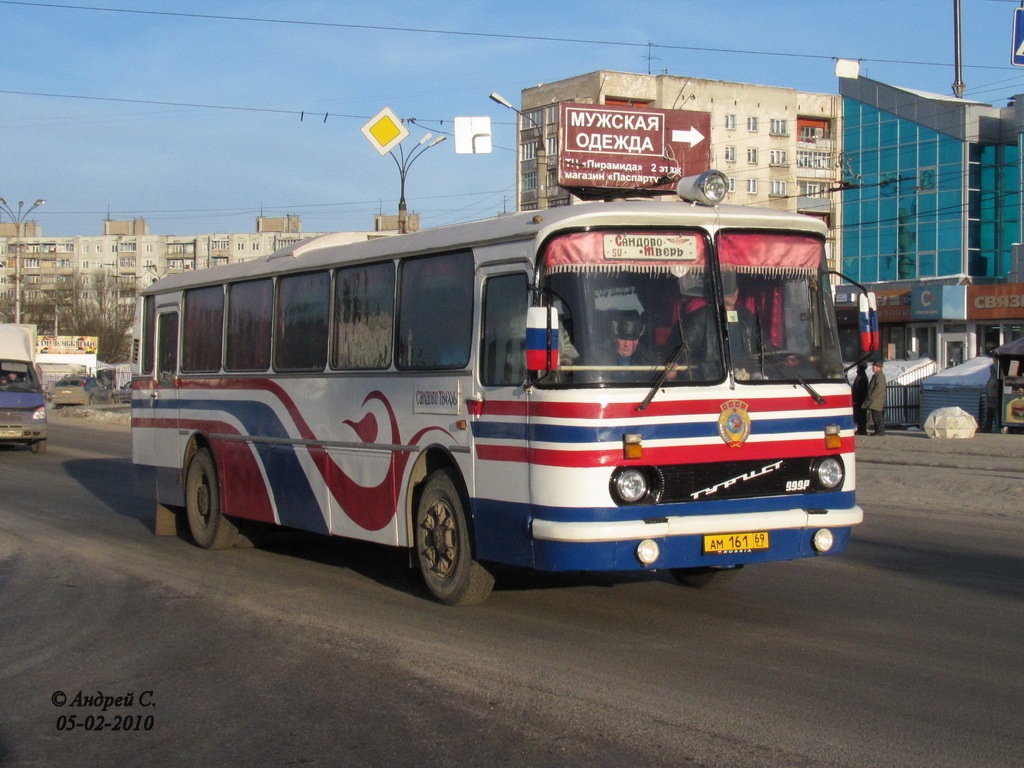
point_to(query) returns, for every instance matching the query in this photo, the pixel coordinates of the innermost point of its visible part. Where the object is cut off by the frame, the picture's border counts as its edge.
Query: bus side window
(167, 349)
(435, 312)
(503, 341)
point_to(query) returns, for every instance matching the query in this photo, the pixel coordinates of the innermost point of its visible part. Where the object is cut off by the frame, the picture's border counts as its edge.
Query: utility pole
(958, 83)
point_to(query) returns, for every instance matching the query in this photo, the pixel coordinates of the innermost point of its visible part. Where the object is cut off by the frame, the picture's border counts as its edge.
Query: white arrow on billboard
(693, 136)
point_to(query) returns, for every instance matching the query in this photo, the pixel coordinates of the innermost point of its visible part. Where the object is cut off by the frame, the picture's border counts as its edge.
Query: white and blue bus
(462, 392)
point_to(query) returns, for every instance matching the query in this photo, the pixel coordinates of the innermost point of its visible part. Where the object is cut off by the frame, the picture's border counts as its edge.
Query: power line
(490, 35)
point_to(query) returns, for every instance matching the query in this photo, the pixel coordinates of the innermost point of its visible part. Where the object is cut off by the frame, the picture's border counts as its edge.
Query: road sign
(385, 131)
(1017, 54)
(472, 135)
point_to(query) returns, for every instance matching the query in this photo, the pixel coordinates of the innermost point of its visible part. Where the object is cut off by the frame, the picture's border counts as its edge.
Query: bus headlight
(828, 473)
(630, 485)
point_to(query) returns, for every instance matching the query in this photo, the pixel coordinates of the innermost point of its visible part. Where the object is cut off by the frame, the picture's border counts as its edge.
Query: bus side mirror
(541, 339)
(868, 311)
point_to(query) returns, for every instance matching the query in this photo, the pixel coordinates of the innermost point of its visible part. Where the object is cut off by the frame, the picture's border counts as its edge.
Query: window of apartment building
(149, 247)
(752, 124)
(256, 245)
(240, 246)
(810, 158)
(777, 157)
(811, 189)
(752, 186)
(130, 247)
(68, 247)
(751, 154)
(730, 122)
(528, 150)
(529, 181)
(85, 248)
(778, 189)
(730, 154)
(219, 245)
(175, 263)
(777, 127)
(732, 185)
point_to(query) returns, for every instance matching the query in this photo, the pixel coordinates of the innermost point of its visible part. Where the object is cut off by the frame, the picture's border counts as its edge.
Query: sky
(200, 115)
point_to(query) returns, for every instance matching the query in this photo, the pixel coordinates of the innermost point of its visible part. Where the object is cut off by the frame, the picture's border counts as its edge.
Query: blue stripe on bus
(579, 435)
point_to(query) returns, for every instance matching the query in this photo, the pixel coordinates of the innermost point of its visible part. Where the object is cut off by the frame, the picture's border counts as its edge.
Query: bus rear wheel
(701, 578)
(443, 545)
(210, 528)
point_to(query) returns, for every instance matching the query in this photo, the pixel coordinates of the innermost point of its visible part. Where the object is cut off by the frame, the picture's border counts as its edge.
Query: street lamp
(542, 150)
(404, 162)
(18, 219)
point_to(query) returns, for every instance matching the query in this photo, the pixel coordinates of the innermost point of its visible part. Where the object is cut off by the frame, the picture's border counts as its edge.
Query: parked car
(81, 390)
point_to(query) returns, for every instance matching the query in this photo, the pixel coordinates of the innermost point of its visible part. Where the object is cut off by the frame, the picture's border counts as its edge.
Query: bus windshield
(638, 305)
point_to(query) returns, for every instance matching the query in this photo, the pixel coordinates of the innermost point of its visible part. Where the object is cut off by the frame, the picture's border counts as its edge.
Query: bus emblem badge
(734, 423)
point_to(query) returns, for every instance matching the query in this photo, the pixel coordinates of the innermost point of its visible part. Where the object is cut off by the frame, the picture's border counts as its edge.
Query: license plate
(731, 543)
(10, 433)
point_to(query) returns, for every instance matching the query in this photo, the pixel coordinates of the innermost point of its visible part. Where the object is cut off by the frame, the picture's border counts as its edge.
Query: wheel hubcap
(439, 539)
(202, 499)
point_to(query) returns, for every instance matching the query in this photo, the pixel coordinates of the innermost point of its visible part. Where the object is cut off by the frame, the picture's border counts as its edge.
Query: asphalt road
(906, 651)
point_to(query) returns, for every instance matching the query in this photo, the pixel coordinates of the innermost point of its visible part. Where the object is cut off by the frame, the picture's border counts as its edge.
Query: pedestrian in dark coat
(874, 402)
(860, 393)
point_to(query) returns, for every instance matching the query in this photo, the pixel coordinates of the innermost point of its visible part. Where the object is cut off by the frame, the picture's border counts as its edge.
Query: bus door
(501, 416)
(160, 410)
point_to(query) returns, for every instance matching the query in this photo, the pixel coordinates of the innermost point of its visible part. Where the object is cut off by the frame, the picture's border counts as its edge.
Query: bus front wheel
(443, 545)
(210, 528)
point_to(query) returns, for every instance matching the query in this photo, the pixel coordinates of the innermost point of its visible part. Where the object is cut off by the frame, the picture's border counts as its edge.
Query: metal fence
(903, 405)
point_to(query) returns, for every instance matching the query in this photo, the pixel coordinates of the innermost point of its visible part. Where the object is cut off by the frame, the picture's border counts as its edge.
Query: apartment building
(130, 256)
(780, 148)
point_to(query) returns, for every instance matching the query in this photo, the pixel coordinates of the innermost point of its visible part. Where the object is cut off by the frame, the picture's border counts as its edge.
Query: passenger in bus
(702, 332)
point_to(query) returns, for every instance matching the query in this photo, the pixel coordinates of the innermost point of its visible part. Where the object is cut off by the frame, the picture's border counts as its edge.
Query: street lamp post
(404, 162)
(542, 150)
(18, 219)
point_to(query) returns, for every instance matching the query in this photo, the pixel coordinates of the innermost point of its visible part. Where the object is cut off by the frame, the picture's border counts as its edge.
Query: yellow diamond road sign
(385, 131)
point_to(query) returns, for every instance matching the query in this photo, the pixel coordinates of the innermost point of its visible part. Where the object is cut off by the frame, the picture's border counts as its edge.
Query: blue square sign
(1017, 54)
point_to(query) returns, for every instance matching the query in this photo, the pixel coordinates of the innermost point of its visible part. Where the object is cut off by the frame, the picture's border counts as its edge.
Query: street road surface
(906, 651)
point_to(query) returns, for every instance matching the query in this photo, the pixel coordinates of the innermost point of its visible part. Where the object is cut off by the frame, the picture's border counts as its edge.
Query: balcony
(806, 204)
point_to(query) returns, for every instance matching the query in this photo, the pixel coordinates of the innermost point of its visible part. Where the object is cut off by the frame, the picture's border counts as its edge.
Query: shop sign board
(607, 148)
(995, 302)
(893, 306)
(938, 302)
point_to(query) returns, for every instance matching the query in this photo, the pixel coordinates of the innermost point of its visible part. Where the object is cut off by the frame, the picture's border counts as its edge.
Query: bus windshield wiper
(782, 373)
(670, 365)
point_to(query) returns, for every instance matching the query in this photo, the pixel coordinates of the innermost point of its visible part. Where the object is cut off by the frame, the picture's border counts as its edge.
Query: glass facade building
(932, 186)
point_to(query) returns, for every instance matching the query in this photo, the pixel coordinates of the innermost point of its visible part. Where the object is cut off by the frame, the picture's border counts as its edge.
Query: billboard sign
(641, 149)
